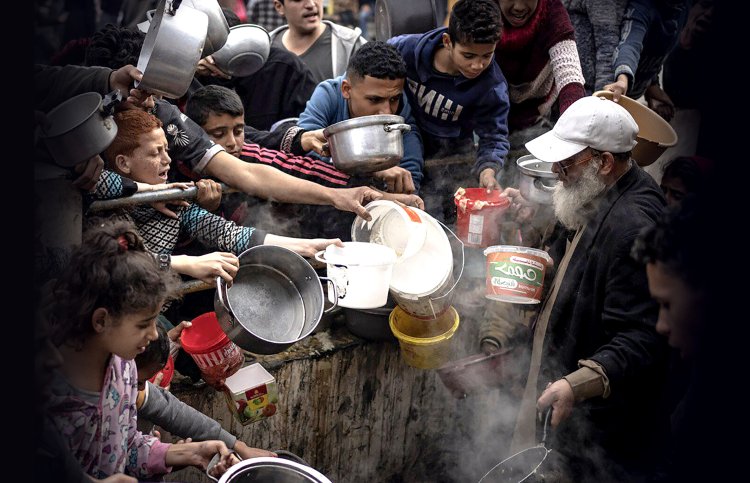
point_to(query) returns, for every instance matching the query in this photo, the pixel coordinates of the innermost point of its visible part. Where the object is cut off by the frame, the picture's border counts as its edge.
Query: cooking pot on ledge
(367, 144)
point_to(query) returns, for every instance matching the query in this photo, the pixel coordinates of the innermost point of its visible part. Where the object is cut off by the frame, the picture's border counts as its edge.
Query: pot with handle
(80, 128)
(245, 52)
(368, 143)
(537, 181)
(287, 468)
(172, 48)
(276, 299)
(218, 28)
(396, 17)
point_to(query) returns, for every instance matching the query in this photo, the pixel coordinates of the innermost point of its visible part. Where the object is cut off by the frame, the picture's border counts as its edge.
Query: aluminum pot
(371, 324)
(272, 470)
(367, 144)
(80, 128)
(276, 299)
(218, 28)
(245, 52)
(537, 181)
(172, 48)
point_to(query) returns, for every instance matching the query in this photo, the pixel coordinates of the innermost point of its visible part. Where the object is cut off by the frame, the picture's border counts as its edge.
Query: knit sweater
(540, 63)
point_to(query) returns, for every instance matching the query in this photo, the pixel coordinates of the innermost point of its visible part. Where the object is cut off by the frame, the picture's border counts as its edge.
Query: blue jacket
(448, 106)
(648, 34)
(327, 106)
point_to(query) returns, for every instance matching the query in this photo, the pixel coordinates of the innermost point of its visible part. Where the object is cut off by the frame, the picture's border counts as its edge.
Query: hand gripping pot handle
(400, 127)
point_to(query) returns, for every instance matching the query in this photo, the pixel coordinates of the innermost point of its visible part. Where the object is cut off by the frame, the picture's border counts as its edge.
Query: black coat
(604, 312)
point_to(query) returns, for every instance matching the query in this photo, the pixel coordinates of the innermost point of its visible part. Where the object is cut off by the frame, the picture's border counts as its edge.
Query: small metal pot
(276, 299)
(172, 48)
(537, 181)
(245, 51)
(80, 128)
(367, 144)
(218, 28)
(371, 324)
(272, 470)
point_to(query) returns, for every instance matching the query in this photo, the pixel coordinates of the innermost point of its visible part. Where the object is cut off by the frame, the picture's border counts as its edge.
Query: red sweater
(540, 62)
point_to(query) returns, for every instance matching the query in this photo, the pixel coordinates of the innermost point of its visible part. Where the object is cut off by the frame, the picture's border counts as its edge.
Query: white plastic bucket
(361, 271)
(393, 225)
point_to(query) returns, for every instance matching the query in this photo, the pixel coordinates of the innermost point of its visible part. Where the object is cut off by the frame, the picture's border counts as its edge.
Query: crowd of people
(627, 346)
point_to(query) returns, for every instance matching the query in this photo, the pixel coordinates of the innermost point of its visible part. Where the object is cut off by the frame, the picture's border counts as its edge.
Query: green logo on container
(522, 273)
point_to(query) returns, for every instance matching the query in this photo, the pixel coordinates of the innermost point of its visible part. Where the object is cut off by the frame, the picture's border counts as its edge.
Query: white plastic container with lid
(393, 225)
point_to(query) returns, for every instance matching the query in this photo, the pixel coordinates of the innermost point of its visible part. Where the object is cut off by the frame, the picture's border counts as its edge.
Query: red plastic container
(215, 354)
(167, 371)
(479, 216)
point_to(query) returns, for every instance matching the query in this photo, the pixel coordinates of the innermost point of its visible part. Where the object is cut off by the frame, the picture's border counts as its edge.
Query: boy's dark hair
(475, 21)
(232, 18)
(376, 59)
(111, 269)
(213, 99)
(114, 47)
(157, 352)
(685, 168)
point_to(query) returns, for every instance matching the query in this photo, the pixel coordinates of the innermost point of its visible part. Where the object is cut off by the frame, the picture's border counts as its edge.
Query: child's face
(518, 12)
(674, 190)
(128, 335)
(227, 131)
(371, 96)
(469, 59)
(149, 162)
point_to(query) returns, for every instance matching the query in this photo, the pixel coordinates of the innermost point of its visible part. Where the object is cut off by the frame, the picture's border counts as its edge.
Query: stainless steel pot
(245, 51)
(537, 181)
(367, 144)
(172, 48)
(276, 299)
(80, 128)
(272, 470)
(396, 17)
(371, 324)
(218, 28)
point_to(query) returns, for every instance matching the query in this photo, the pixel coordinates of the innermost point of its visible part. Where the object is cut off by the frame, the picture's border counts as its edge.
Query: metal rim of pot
(237, 472)
(531, 183)
(236, 59)
(537, 454)
(79, 128)
(244, 337)
(388, 121)
(218, 27)
(172, 48)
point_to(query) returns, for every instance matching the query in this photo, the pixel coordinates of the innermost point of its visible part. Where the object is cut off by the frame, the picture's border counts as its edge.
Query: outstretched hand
(353, 199)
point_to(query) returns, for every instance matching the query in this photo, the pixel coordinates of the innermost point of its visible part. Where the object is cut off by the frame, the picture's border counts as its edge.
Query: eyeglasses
(564, 167)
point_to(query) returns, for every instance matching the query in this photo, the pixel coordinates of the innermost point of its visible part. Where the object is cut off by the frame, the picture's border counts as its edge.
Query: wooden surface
(356, 412)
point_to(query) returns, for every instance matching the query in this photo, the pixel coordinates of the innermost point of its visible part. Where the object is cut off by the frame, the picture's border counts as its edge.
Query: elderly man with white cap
(596, 358)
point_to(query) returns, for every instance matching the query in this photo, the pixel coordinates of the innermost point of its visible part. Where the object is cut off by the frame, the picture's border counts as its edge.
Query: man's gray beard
(573, 205)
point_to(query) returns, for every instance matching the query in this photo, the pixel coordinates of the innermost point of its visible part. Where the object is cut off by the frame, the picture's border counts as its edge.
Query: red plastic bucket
(479, 216)
(167, 373)
(215, 354)
(516, 274)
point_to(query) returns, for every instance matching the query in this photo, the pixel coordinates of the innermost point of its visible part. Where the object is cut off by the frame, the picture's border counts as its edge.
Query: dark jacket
(447, 106)
(604, 312)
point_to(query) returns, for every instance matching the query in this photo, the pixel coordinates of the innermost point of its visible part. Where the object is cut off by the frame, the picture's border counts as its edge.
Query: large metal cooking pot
(371, 324)
(80, 128)
(396, 17)
(367, 144)
(537, 181)
(276, 299)
(245, 52)
(218, 28)
(272, 470)
(172, 48)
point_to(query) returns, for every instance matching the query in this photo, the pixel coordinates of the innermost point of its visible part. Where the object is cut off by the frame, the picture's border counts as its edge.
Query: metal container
(276, 299)
(172, 48)
(218, 28)
(245, 51)
(80, 128)
(371, 324)
(397, 17)
(272, 470)
(367, 144)
(537, 181)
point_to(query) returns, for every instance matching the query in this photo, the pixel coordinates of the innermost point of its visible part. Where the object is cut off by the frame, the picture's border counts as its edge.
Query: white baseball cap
(590, 121)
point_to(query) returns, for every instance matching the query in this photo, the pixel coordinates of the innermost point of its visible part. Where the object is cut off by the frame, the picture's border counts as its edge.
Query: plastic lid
(205, 335)
(167, 371)
(247, 378)
(492, 199)
(516, 249)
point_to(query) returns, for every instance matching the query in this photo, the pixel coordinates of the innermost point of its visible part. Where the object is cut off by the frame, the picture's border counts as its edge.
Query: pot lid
(363, 121)
(72, 113)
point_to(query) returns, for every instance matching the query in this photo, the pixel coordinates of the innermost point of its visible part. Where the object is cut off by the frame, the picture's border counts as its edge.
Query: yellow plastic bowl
(425, 344)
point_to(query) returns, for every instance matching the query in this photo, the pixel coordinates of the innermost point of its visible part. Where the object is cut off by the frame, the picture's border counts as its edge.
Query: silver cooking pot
(537, 181)
(80, 128)
(276, 299)
(245, 51)
(218, 28)
(172, 48)
(367, 144)
(272, 470)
